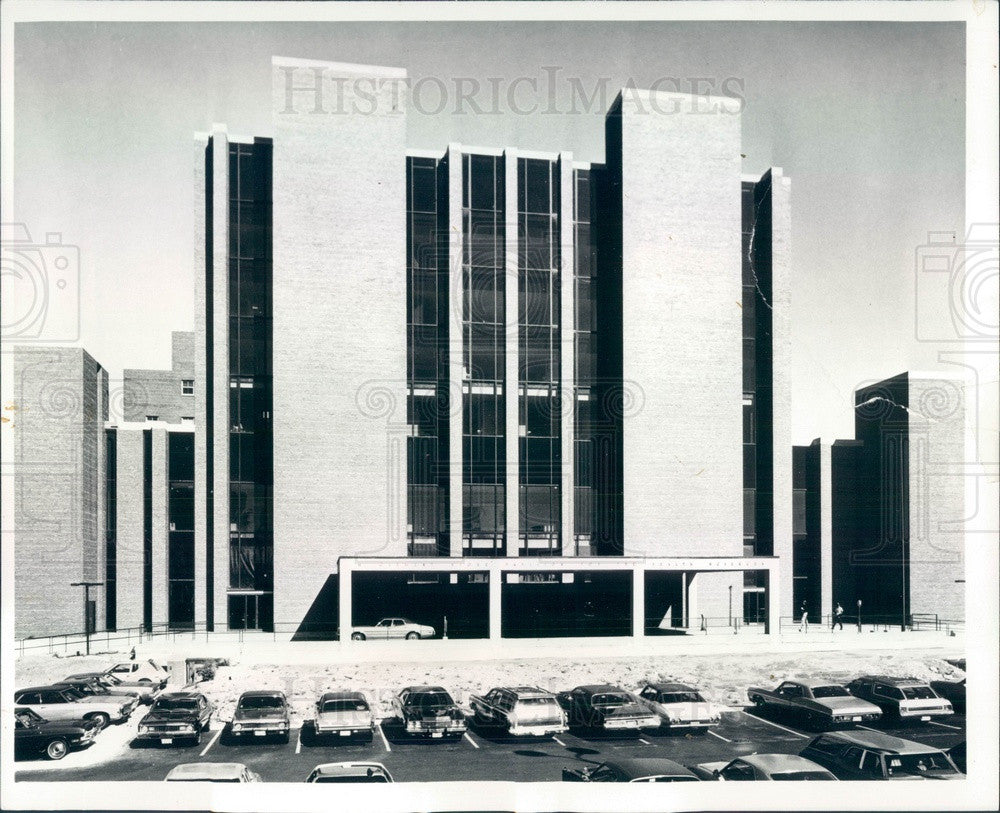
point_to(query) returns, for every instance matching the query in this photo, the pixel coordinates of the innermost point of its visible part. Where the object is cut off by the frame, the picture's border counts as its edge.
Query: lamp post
(86, 606)
(730, 605)
(859, 615)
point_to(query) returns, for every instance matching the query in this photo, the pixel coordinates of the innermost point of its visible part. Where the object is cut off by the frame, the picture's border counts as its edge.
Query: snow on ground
(723, 678)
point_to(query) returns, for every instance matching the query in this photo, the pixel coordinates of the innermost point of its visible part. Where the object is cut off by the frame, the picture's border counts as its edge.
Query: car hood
(65, 727)
(845, 704)
(260, 714)
(106, 700)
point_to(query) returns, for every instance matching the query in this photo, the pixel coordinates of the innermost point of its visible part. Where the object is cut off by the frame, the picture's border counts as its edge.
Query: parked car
(520, 711)
(393, 628)
(33, 734)
(903, 698)
(176, 717)
(344, 714)
(212, 772)
(261, 714)
(609, 708)
(646, 769)
(868, 754)
(350, 772)
(91, 687)
(141, 673)
(66, 703)
(957, 754)
(951, 690)
(818, 703)
(114, 685)
(679, 706)
(429, 711)
(765, 767)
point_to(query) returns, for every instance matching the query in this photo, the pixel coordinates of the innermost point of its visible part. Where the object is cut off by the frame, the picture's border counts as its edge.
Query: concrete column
(511, 384)
(129, 528)
(200, 381)
(638, 602)
(781, 387)
(826, 530)
(160, 526)
(456, 343)
(345, 599)
(567, 366)
(496, 603)
(773, 598)
(220, 374)
(694, 611)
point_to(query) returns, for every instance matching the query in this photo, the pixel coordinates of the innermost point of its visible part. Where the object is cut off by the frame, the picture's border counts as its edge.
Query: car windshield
(26, 719)
(918, 764)
(802, 776)
(175, 704)
(611, 700)
(110, 680)
(73, 694)
(536, 701)
(681, 697)
(370, 777)
(830, 691)
(345, 705)
(918, 693)
(429, 700)
(262, 702)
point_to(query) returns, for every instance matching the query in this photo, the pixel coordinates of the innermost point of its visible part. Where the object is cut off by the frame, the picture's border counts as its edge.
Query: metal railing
(876, 622)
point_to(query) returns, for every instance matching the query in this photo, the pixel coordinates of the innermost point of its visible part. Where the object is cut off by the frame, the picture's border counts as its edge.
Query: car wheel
(283, 738)
(357, 636)
(144, 682)
(413, 636)
(101, 718)
(56, 749)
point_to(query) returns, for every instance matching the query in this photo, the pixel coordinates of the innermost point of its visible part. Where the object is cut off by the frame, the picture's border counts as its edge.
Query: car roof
(52, 687)
(601, 688)
(342, 696)
(895, 681)
(414, 689)
(213, 770)
(178, 695)
(672, 687)
(649, 766)
(811, 683)
(86, 675)
(263, 693)
(877, 741)
(347, 768)
(781, 762)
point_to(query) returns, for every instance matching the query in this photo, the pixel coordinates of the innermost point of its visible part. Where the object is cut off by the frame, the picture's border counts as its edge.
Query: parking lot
(479, 755)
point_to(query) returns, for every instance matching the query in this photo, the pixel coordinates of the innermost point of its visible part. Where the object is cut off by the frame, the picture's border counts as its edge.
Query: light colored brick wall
(60, 395)
(159, 392)
(129, 527)
(200, 383)
(682, 350)
(339, 367)
(937, 449)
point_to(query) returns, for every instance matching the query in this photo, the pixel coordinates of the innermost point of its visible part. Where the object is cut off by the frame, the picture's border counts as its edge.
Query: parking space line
(469, 738)
(559, 741)
(381, 733)
(211, 742)
(789, 730)
(644, 742)
(719, 736)
(298, 742)
(943, 725)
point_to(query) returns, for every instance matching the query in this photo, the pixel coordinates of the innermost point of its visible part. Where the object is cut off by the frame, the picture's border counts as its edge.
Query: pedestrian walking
(838, 617)
(804, 619)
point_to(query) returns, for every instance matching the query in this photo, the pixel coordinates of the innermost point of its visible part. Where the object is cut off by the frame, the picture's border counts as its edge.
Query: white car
(392, 628)
(679, 706)
(350, 772)
(140, 673)
(212, 772)
(65, 703)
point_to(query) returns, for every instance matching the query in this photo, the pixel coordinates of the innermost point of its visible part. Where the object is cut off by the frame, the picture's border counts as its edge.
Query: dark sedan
(176, 717)
(953, 691)
(33, 734)
(608, 708)
(646, 769)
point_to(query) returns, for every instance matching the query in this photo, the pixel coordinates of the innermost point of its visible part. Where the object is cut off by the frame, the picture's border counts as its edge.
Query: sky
(868, 119)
